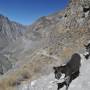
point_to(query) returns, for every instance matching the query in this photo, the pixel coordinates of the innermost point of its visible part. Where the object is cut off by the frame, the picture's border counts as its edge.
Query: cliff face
(67, 30)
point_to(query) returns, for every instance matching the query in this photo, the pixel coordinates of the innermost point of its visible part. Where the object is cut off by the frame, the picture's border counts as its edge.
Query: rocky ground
(45, 82)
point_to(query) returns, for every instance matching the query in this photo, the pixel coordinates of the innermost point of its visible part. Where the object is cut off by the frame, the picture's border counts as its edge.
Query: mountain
(9, 31)
(50, 41)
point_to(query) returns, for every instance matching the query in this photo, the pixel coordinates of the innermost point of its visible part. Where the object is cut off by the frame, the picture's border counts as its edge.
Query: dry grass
(14, 79)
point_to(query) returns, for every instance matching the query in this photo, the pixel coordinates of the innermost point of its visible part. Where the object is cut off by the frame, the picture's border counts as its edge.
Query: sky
(27, 11)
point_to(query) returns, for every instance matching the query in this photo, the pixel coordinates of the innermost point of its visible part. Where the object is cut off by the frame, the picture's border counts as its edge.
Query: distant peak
(3, 17)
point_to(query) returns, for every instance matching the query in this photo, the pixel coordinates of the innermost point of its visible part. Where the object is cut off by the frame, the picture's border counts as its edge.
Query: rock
(9, 31)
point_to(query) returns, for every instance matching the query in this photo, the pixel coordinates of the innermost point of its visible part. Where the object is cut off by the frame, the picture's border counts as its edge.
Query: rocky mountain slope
(44, 82)
(33, 50)
(9, 31)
